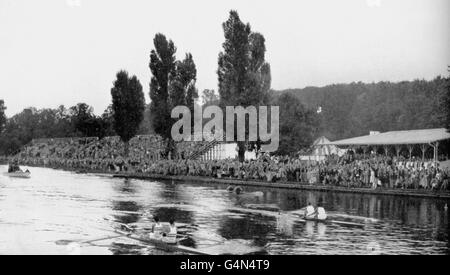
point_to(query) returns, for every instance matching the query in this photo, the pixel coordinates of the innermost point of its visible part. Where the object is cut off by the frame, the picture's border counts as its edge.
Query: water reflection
(57, 205)
(247, 228)
(124, 208)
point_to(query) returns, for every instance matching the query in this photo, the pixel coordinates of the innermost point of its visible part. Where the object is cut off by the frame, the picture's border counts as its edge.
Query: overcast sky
(56, 52)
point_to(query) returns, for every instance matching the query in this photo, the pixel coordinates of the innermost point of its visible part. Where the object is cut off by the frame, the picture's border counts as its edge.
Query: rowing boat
(19, 174)
(297, 215)
(161, 244)
(225, 247)
(344, 223)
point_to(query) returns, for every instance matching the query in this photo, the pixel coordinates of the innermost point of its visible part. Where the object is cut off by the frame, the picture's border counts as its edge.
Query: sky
(55, 52)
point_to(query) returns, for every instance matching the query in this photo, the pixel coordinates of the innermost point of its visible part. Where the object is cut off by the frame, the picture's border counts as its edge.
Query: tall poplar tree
(162, 67)
(172, 84)
(128, 104)
(244, 76)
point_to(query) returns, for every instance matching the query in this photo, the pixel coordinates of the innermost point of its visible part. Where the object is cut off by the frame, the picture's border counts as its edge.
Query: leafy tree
(20, 129)
(243, 74)
(446, 101)
(297, 125)
(82, 116)
(172, 84)
(182, 90)
(259, 70)
(128, 105)
(146, 127)
(63, 125)
(186, 73)
(107, 119)
(162, 67)
(209, 97)
(2, 115)
(234, 61)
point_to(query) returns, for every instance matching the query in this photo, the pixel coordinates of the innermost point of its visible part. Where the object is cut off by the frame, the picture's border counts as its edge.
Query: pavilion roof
(397, 138)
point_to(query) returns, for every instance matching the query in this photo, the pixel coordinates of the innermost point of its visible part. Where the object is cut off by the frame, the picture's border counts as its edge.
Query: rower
(157, 229)
(14, 167)
(172, 235)
(310, 212)
(320, 212)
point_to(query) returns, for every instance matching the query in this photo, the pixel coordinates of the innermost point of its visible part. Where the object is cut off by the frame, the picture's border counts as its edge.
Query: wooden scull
(159, 244)
(296, 215)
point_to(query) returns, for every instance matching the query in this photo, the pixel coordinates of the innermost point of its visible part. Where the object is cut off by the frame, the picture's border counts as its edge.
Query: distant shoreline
(258, 183)
(290, 185)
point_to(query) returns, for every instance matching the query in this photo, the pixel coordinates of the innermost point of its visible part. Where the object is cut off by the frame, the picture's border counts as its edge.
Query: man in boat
(157, 229)
(171, 236)
(320, 213)
(14, 167)
(310, 212)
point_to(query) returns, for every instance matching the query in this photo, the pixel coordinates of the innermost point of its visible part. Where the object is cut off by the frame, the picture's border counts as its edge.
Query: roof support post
(397, 150)
(436, 152)
(423, 147)
(410, 148)
(386, 148)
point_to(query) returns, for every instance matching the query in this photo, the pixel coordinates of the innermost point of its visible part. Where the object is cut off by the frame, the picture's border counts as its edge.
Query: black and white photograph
(238, 128)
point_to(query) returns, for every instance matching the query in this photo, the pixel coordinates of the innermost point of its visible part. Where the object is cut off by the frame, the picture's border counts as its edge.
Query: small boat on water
(19, 174)
(222, 247)
(330, 221)
(159, 243)
(298, 215)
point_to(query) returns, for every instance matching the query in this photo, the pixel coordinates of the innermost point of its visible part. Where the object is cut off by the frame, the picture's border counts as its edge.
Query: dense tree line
(76, 121)
(348, 110)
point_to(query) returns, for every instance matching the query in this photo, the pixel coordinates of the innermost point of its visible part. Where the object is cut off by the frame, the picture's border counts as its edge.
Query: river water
(42, 214)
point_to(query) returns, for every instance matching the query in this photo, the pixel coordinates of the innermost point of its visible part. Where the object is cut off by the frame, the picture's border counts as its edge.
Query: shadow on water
(126, 208)
(127, 186)
(247, 229)
(125, 217)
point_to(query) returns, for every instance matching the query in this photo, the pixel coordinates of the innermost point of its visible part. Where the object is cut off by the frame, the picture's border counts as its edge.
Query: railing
(205, 148)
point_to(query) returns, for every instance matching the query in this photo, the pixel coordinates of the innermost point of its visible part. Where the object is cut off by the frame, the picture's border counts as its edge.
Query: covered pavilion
(424, 138)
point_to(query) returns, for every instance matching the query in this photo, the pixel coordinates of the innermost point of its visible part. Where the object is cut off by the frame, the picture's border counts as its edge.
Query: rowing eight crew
(317, 213)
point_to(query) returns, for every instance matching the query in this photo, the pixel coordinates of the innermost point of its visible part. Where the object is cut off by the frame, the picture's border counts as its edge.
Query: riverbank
(291, 185)
(283, 185)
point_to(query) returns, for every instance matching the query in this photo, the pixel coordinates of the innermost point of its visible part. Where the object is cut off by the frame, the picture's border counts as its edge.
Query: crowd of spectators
(146, 156)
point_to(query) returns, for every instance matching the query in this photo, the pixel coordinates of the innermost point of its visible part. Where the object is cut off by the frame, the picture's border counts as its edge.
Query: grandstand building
(399, 142)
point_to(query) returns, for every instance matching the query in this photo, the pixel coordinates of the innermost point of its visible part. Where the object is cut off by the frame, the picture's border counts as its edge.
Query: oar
(200, 238)
(66, 242)
(102, 239)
